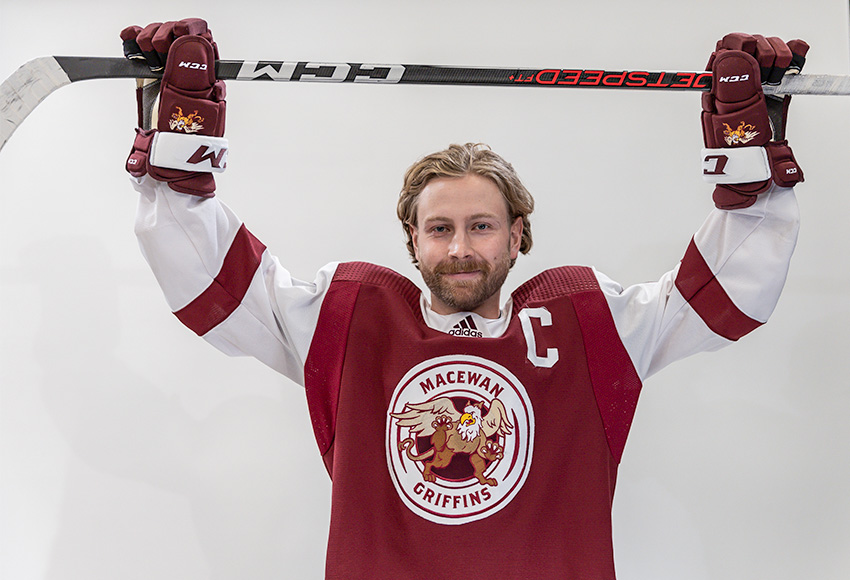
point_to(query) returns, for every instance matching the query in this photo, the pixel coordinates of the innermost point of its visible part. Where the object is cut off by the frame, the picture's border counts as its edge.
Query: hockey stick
(35, 80)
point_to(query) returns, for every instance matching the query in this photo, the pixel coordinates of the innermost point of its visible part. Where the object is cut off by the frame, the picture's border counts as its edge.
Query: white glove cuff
(189, 152)
(738, 165)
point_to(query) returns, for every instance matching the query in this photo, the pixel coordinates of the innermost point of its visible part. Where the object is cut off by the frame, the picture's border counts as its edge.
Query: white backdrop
(132, 449)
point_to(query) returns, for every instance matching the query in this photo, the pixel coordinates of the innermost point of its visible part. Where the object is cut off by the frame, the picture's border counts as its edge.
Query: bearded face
(465, 241)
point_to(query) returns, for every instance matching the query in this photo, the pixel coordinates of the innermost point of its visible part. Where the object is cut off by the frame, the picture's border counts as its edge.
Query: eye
(481, 227)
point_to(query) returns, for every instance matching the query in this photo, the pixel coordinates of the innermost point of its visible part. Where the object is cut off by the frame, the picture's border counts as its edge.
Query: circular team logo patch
(460, 432)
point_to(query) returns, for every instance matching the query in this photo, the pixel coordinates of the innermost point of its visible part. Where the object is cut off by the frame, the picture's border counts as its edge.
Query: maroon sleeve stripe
(701, 289)
(228, 288)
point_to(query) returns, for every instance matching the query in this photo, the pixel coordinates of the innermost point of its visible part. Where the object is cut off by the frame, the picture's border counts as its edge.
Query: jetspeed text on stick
(602, 78)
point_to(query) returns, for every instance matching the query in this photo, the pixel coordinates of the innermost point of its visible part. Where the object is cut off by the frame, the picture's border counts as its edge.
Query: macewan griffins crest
(453, 432)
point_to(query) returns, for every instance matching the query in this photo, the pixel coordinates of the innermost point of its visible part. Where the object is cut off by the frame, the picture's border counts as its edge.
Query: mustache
(454, 267)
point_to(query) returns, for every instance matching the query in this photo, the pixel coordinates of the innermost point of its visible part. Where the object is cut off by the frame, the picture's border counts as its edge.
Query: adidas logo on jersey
(466, 327)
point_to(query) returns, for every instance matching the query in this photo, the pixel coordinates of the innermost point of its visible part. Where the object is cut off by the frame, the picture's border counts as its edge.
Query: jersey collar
(467, 324)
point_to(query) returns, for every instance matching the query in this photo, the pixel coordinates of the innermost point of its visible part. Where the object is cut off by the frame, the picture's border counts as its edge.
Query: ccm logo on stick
(320, 71)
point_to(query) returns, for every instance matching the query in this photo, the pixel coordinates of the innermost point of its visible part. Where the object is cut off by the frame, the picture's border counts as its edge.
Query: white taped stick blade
(740, 165)
(25, 89)
(189, 152)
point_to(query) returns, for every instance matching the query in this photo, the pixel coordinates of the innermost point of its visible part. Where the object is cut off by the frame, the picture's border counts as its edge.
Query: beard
(466, 295)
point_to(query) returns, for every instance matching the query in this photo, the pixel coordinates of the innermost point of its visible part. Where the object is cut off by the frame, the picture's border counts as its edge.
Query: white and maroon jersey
(551, 383)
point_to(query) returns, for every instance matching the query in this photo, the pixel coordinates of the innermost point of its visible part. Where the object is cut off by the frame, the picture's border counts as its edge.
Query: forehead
(460, 197)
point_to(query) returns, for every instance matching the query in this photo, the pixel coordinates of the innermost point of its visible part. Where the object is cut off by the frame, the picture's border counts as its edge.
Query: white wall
(132, 449)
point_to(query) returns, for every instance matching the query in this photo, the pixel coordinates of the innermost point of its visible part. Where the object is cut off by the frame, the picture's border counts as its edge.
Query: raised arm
(730, 278)
(218, 278)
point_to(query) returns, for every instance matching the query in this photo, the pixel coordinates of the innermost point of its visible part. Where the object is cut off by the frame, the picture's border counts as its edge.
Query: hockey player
(465, 434)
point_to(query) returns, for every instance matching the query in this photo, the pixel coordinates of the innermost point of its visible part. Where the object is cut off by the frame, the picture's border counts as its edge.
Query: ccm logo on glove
(720, 162)
(193, 65)
(731, 79)
(218, 160)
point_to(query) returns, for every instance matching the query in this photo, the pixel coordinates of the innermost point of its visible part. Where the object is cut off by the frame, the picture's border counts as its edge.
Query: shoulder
(366, 273)
(556, 283)
(372, 275)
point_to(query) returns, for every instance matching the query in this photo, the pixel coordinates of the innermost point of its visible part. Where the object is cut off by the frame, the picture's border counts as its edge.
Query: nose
(459, 247)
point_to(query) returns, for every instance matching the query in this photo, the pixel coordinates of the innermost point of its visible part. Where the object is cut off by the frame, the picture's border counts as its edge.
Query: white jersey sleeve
(222, 283)
(727, 284)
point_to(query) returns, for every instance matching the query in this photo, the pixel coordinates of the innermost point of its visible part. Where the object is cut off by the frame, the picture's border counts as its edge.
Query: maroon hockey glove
(187, 142)
(737, 115)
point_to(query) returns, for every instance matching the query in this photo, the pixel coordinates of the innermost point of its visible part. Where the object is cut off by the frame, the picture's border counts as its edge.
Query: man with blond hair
(467, 435)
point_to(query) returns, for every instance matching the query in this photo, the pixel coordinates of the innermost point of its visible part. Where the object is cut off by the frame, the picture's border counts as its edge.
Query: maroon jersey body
(456, 457)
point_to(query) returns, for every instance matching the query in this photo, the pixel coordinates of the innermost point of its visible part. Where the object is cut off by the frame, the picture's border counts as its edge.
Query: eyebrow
(473, 217)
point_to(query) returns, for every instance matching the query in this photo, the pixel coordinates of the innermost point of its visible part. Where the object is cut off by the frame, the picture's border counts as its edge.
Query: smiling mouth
(466, 275)
(462, 271)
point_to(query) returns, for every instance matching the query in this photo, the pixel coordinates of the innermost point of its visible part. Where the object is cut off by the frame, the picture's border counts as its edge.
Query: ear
(414, 237)
(516, 237)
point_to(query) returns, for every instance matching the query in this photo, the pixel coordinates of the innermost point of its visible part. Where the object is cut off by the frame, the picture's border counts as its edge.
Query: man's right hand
(744, 133)
(187, 143)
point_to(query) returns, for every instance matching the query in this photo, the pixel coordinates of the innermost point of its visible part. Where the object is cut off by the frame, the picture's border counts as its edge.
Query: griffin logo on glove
(743, 134)
(186, 123)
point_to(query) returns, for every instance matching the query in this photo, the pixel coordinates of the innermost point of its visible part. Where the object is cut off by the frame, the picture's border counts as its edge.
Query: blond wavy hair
(459, 161)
